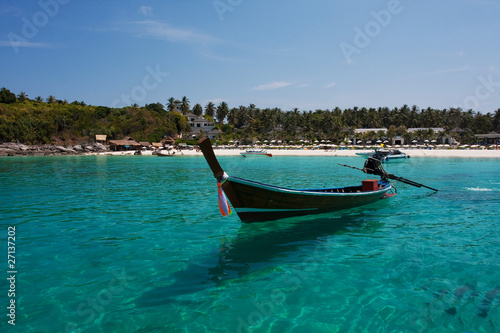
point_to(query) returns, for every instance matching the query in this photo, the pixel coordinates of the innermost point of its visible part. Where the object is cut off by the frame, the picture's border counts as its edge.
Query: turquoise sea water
(137, 244)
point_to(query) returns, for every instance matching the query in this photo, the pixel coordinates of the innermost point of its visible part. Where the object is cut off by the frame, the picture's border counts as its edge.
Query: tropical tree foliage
(185, 105)
(222, 111)
(35, 122)
(198, 109)
(6, 96)
(210, 109)
(39, 121)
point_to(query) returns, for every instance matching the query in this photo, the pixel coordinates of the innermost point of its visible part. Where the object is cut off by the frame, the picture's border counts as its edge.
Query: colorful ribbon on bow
(224, 207)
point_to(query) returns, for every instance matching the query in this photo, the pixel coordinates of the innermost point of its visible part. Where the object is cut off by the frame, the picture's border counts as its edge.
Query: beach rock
(7, 151)
(88, 148)
(65, 150)
(14, 148)
(99, 146)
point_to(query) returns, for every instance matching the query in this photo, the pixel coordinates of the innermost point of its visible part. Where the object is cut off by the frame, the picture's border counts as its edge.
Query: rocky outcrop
(19, 149)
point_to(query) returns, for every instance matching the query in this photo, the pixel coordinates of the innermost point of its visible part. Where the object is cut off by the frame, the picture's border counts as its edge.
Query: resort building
(201, 127)
(366, 130)
(125, 144)
(492, 138)
(399, 140)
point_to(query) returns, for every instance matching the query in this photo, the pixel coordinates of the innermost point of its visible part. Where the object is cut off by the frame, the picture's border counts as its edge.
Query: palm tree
(403, 132)
(198, 110)
(413, 117)
(391, 133)
(381, 134)
(222, 111)
(456, 117)
(22, 96)
(232, 117)
(185, 105)
(210, 109)
(372, 119)
(421, 134)
(171, 104)
(496, 121)
(407, 136)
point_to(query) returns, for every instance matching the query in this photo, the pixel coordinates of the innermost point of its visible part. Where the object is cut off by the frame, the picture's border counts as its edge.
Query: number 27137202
(11, 247)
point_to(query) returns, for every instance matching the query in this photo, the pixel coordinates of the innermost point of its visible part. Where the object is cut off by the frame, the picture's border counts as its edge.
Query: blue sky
(289, 54)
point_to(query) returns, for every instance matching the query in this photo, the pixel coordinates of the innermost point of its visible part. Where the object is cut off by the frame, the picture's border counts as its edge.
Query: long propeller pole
(374, 167)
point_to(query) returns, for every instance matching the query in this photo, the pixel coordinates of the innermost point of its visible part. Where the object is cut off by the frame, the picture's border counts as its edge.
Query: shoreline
(96, 149)
(443, 153)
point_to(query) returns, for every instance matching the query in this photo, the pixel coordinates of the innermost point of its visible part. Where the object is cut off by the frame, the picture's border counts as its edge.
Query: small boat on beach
(165, 153)
(256, 202)
(386, 155)
(261, 152)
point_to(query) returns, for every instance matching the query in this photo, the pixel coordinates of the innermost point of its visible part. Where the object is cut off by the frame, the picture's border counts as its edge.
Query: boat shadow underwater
(255, 251)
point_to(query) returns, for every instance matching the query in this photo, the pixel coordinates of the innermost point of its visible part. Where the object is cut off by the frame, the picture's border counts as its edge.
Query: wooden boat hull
(257, 202)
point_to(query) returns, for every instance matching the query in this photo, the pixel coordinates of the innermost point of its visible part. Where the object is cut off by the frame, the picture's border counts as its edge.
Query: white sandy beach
(457, 153)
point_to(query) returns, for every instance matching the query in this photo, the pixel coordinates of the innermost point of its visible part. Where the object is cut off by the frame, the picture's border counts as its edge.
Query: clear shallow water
(136, 244)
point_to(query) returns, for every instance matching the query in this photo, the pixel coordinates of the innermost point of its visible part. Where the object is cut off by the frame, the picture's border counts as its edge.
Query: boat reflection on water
(257, 248)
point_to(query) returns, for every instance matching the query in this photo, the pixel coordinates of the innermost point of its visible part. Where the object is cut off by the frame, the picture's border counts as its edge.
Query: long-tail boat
(257, 202)
(261, 152)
